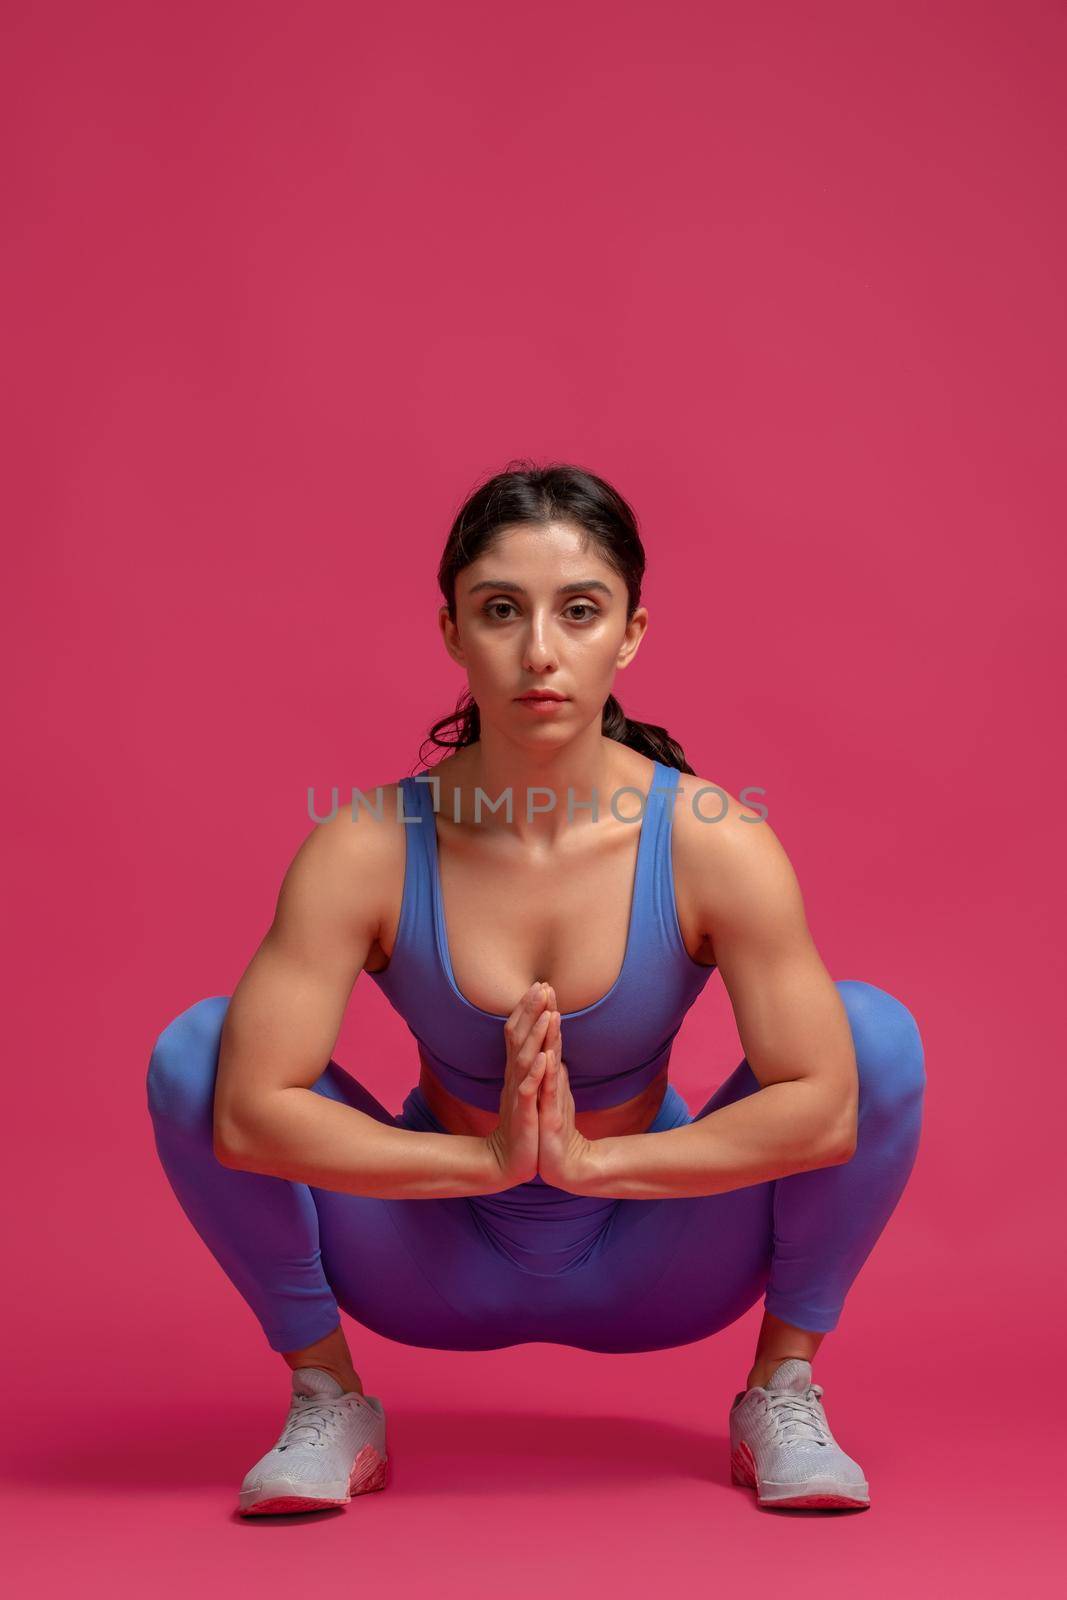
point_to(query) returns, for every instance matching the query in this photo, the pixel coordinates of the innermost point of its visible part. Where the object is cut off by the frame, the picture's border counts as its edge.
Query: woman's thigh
(416, 1271)
(665, 1272)
(679, 1269)
(671, 1271)
(668, 1272)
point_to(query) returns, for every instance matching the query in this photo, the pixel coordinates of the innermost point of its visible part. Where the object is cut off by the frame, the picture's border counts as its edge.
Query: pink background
(283, 283)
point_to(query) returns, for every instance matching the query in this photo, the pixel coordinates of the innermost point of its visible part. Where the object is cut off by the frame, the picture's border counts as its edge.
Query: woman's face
(541, 609)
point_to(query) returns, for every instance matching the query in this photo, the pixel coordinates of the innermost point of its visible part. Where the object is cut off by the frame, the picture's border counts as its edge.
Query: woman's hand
(513, 1142)
(564, 1154)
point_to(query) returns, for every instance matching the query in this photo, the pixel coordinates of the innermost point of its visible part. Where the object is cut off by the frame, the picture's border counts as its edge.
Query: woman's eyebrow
(517, 588)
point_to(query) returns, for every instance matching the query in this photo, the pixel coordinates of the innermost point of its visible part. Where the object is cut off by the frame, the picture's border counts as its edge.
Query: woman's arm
(793, 1028)
(281, 1028)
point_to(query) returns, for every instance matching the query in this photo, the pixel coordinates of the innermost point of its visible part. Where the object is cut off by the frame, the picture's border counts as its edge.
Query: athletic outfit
(534, 1262)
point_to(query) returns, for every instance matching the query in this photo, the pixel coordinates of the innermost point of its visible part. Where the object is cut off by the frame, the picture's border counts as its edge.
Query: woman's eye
(492, 609)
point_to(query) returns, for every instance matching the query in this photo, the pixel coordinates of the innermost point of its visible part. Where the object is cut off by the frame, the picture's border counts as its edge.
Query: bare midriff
(631, 1116)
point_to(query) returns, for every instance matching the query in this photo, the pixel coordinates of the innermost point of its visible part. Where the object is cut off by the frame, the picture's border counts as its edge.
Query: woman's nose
(540, 646)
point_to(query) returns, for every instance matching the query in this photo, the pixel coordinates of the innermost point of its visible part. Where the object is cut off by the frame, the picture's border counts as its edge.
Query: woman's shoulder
(363, 834)
(724, 847)
(712, 826)
(710, 804)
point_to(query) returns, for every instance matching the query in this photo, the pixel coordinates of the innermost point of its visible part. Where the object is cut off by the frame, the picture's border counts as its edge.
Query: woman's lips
(543, 704)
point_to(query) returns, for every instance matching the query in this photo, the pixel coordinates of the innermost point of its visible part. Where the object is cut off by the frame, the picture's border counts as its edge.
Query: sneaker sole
(370, 1472)
(793, 1495)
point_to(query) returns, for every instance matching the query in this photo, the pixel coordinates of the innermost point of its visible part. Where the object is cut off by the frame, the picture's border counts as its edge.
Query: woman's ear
(631, 639)
(450, 634)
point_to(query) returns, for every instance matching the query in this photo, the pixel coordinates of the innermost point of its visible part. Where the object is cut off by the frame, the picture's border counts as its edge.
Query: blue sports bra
(614, 1047)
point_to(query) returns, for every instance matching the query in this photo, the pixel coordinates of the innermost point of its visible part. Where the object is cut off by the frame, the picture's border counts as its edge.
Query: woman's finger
(534, 1076)
(518, 1026)
(527, 1008)
(556, 1040)
(550, 1072)
(534, 1042)
(544, 1086)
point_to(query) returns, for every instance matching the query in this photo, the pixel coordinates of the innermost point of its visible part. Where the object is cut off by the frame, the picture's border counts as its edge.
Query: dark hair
(535, 496)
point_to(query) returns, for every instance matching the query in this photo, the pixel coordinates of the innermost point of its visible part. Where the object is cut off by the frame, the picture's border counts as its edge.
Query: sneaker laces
(796, 1417)
(311, 1413)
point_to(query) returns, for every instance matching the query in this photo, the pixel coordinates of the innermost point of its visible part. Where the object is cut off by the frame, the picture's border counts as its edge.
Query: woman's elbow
(843, 1153)
(225, 1152)
(845, 1135)
(231, 1144)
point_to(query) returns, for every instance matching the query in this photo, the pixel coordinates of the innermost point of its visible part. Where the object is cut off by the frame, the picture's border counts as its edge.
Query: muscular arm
(281, 1028)
(793, 1027)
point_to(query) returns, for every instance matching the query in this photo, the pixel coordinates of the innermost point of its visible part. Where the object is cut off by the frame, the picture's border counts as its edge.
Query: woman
(543, 1181)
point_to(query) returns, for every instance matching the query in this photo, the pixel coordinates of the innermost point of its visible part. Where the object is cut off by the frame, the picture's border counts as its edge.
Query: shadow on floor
(453, 1451)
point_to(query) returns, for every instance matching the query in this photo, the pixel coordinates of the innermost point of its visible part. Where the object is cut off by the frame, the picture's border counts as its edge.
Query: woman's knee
(184, 1061)
(889, 1051)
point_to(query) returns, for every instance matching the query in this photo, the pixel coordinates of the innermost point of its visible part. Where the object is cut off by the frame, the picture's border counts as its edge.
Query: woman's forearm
(308, 1138)
(781, 1129)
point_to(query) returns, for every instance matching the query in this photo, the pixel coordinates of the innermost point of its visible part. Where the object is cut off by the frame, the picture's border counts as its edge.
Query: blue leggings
(536, 1263)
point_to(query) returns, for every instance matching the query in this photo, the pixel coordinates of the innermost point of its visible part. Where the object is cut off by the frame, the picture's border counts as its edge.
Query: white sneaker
(331, 1447)
(781, 1445)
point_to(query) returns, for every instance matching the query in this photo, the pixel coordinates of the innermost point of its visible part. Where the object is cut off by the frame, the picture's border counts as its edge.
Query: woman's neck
(550, 792)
